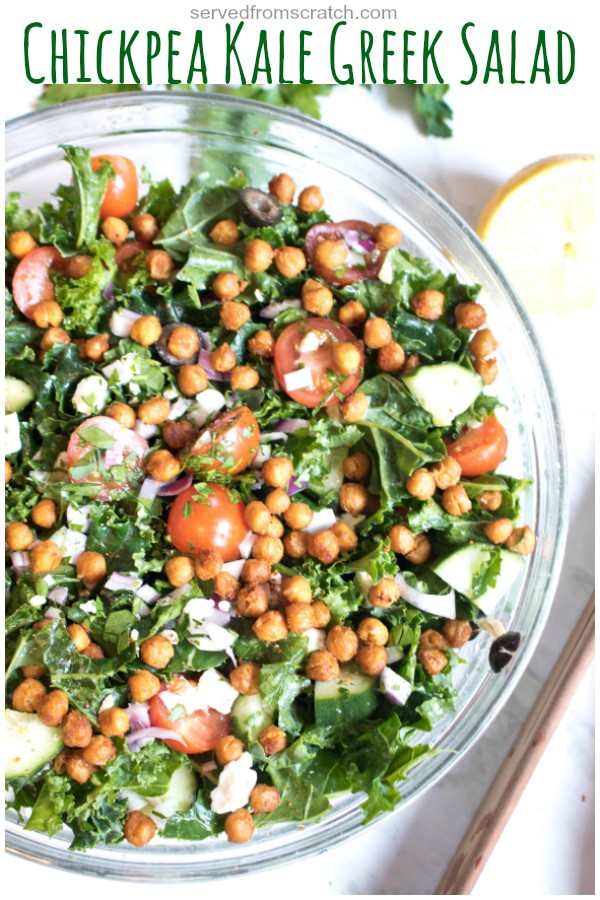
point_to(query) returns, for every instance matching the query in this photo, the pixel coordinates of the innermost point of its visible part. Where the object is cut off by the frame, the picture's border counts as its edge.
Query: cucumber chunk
(12, 434)
(28, 743)
(17, 394)
(444, 390)
(249, 716)
(350, 698)
(178, 797)
(459, 567)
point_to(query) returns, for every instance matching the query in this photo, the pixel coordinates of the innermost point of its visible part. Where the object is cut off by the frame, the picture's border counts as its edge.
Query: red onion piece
(358, 241)
(120, 582)
(108, 291)
(395, 688)
(206, 341)
(172, 488)
(137, 739)
(289, 426)
(59, 595)
(145, 431)
(443, 605)
(20, 560)
(52, 613)
(273, 309)
(112, 458)
(212, 375)
(150, 489)
(121, 321)
(296, 486)
(247, 544)
(139, 716)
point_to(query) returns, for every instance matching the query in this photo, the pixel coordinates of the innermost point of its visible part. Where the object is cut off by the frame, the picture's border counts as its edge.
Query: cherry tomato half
(199, 731)
(291, 354)
(209, 520)
(130, 249)
(480, 450)
(99, 446)
(122, 192)
(229, 444)
(358, 238)
(31, 281)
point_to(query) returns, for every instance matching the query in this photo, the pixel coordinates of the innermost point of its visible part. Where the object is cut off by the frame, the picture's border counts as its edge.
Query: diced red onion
(395, 688)
(443, 605)
(356, 240)
(172, 488)
(147, 593)
(212, 375)
(247, 544)
(52, 613)
(144, 430)
(20, 559)
(224, 605)
(394, 654)
(59, 595)
(234, 567)
(179, 408)
(138, 739)
(295, 486)
(206, 341)
(108, 291)
(120, 582)
(150, 489)
(219, 617)
(112, 458)
(273, 309)
(273, 436)
(139, 716)
(209, 766)
(289, 426)
(121, 322)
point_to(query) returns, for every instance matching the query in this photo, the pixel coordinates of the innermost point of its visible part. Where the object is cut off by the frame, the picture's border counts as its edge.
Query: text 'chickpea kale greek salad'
(252, 502)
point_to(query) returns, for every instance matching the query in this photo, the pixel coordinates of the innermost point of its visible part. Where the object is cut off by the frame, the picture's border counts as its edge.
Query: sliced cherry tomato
(229, 444)
(198, 732)
(208, 519)
(480, 450)
(129, 249)
(292, 353)
(122, 192)
(103, 452)
(31, 281)
(358, 238)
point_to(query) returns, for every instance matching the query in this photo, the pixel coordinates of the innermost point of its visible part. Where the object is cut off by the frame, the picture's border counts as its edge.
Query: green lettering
(197, 50)
(282, 79)
(366, 45)
(99, 49)
(231, 50)
(262, 50)
(153, 44)
(56, 56)
(125, 53)
(171, 54)
(26, 35)
(406, 52)
(513, 59)
(562, 78)
(82, 79)
(304, 53)
(494, 55)
(429, 55)
(540, 50)
(347, 67)
(470, 54)
(387, 53)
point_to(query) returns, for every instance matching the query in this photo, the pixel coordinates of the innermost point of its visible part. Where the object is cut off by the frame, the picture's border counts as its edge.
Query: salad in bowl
(253, 511)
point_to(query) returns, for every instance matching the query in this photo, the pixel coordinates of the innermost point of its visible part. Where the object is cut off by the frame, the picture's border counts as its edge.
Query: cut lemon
(539, 226)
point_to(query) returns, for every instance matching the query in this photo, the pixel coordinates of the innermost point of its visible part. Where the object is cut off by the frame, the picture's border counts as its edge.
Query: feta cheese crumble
(91, 395)
(236, 781)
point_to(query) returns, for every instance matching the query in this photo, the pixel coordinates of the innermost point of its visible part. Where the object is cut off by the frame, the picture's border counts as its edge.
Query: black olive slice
(475, 630)
(161, 346)
(503, 649)
(258, 209)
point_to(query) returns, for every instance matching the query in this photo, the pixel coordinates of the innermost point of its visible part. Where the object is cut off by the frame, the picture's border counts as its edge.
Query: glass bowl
(174, 134)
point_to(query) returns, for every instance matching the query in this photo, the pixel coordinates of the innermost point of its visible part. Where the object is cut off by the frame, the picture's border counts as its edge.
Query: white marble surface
(548, 843)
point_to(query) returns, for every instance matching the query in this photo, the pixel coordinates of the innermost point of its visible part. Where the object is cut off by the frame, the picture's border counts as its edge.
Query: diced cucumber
(12, 434)
(28, 743)
(178, 797)
(249, 716)
(459, 567)
(17, 394)
(333, 478)
(444, 390)
(350, 698)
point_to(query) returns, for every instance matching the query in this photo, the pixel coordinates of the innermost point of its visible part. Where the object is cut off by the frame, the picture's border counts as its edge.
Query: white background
(547, 847)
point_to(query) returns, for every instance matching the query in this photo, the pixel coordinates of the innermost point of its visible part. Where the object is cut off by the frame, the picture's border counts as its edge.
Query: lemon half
(540, 227)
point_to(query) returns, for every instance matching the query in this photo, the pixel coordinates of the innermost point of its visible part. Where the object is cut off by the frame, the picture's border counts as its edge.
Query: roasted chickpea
(76, 267)
(402, 539)
(412, 362)
(457, 632)
(28, 696)
(143, 685)
(283, 187)
(268, 549)
(258, 255)
(77, 768)
(353, 314)
(95, 347)
(20, 243)
(154, 411)
(223, 359)
(421, 551)
(90, 567)
(322, 666)
(483, 343)
(228, 285)
(226, 232)
(386, 236)
(160, 265)
(490, 500)
(353, 498)
(299, 617)
(115, 230)
(76, 729)
(331, 254)
(455, 500)
(19, 536)
(146, 330)
(183, 342)
(272, 739)
(421, 484)
(145, 227)
(60, 760)
(244, 378)
(228, 749)
(296, 544)
(275, 528)
(45, 556)
(239, 826)
(162, 466)
(234, 315)
(252, 601)
(373, 632)
(310, 199)
(431, 638)
(289, 261)
(446, 473)
(257, 517)
(53, 708)
(177, 435)
(371, 659)
(208, 564)
(113, 722)
(226, 585)
(354, 408)
(7, 471)
(35, 671)
(469, 316)
(428, 305)
(346, 538)
(139, 829)
(79, 636)
(179, 570)
(100, 751)
(264, 798)
(277, 471)
(46, 314)
(157, 651)
(346, 358)
(262, 344)
(270, 627)
(487, 369)
(316, 298)
(321, 614)
(385, 593)
(245, 679)
(522, 541)
(93, 651)
(377, 333)
(191, 380)
(121, 413)
(391, 358)
(342, 642)
(277, 501)
(298, 515)
(256, 571)
(296, 589)
(357, 467)
(324, 546)
(54, 336)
